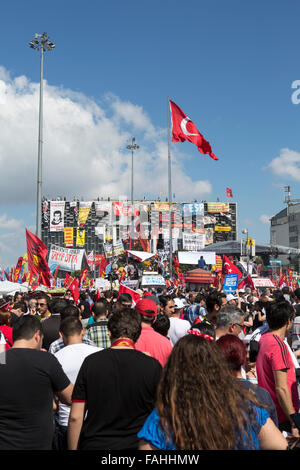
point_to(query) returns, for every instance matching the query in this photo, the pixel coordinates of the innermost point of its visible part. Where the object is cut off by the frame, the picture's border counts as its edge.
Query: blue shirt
(156, 436)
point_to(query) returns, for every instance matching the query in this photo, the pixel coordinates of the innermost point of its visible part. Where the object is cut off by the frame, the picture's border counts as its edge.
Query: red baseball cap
(146, 307)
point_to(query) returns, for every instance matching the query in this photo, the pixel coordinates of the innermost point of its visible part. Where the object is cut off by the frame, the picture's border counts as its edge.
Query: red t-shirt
(155, 344)
(274, 355)
(7, 331)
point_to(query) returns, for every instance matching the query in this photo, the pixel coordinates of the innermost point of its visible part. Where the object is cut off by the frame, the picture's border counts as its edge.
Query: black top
(119, 387)
(51, 329)
(263, 396)
(86, 313)
(28, 380)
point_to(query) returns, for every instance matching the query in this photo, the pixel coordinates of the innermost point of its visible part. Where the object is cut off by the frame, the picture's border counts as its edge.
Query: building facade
(285, 229)
(94, 225)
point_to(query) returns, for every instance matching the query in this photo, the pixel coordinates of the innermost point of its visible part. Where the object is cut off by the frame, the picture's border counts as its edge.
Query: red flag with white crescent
(184, 129)
(230, 268)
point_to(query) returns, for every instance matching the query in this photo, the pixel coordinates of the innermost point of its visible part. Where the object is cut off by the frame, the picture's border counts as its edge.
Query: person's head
(279, 315)
(234, 351)
(5, 317)
(108, 295)
(223, 298)
(125, 323)
(178, 307)
(206, 328)
(28, 331)
(200, 299)
(124, 301)
(231, 299)
(58, 304)
(100, 309)
(18, 297)
(19, 308)
(57, 217)
(32, 305)
(197, 373)
(213, 305)
(297, 295)
(230, 320)
(162, 324)
(71, 330)
(70, 311)
(43, 303)
(167, 303)
(147, 309)
(68, 294)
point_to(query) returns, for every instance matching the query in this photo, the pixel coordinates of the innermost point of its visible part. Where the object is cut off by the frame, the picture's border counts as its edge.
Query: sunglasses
(41, 304)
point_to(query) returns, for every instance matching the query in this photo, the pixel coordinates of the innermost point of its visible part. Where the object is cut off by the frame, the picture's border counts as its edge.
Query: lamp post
(245, 231)
(132, 147)
(41, 43)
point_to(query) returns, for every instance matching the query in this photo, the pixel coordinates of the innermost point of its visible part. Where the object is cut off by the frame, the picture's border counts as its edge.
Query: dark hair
(164, 300)
(212, 300)
(197, 372)
(20, 305)
(205, 328)
(124, 298)
(17, 294)
(58, 304)
(279, 314)
(297, 293)
(100, 308)
(199, 297)
(234, 351)
(161, 324)
(285, 290)
(26, 327)
(108, 294)
(42, 295)
(125, 323)
(69, 311)
(70, 326)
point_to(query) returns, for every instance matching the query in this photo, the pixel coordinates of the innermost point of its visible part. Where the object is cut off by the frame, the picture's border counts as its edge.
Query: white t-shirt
(71, 358)
(178, 329)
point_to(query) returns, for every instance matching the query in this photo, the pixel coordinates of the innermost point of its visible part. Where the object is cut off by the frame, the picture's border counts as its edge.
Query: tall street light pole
(41, 43)
(245, 231)
(132, 147)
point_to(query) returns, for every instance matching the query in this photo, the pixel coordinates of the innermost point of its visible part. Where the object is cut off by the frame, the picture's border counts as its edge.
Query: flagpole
(170, 193)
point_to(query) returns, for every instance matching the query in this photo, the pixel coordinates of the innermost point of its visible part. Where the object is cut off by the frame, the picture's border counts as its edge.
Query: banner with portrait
(80, 237)
(57, 213)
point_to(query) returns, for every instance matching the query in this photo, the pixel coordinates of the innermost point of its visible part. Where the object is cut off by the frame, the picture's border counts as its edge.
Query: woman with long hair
(201, 406)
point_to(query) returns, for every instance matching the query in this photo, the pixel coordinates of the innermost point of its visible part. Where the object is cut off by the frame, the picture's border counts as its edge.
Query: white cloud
(84, 152)
(286, 164)
(265, 219)
(10, 224)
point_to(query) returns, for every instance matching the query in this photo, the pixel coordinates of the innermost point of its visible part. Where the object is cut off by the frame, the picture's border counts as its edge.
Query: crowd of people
(177, 370)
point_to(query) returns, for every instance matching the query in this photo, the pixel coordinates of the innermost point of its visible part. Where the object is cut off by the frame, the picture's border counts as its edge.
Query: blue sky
(228, 65)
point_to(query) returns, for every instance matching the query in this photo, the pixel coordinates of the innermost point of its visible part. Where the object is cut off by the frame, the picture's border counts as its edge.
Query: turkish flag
(126, 290)
(74, 287)
(229, 267)
(37, 264)
(229, 192)
(184, 129)
(247, 282)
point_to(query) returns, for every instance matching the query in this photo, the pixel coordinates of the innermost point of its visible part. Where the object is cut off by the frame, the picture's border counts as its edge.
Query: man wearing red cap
(151, 342)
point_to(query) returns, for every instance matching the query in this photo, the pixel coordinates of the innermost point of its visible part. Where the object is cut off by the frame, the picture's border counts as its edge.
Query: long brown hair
(200, 404)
